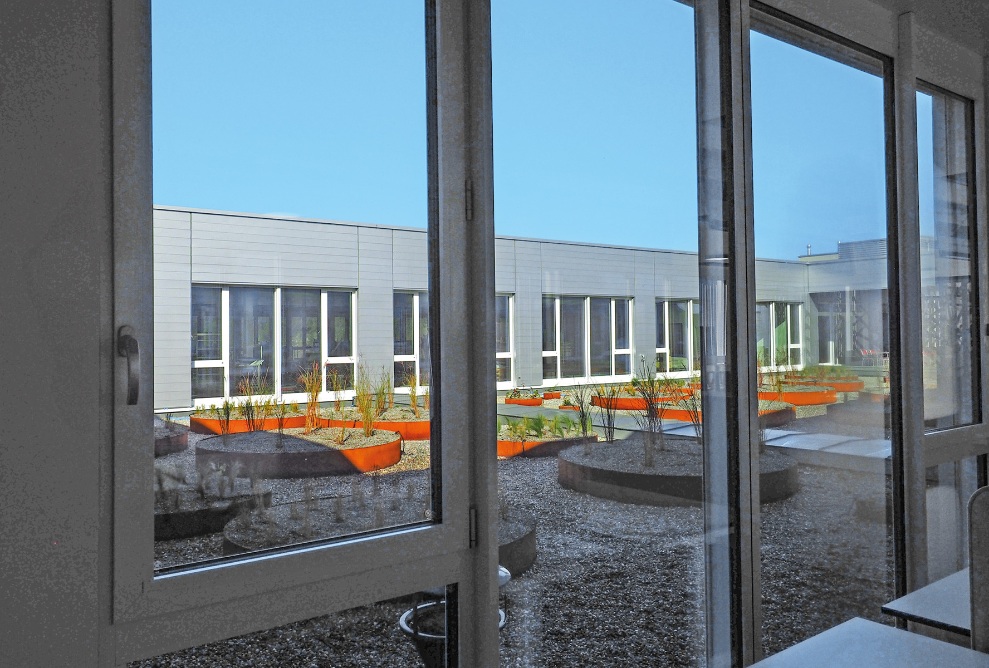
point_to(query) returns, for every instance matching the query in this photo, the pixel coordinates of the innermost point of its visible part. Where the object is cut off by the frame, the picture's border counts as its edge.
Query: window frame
(510, 353)
(416, 356)
(154, 613)
(587, 377)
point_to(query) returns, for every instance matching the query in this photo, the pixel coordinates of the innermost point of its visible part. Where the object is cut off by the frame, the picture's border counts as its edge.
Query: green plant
(364, 398)
(425, 398)
(650, 389)
(556, 426)
(335, 383)
(537, 425)
(607, 409)
(312, 381)
(381, 391)
(580, 396)
(412, 380)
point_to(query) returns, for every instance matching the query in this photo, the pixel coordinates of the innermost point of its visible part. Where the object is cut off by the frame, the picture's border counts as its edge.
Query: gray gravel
(614, 584)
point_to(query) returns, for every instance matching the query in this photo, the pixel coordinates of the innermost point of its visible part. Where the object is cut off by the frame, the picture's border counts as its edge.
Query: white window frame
(224, 362)
(510, 353)
(416, 353)
(612, 377)
(690, 371)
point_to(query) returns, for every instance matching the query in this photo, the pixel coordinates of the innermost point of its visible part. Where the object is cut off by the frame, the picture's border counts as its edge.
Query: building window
(411, 325)
(586, 337)
(678, 336)
(503, 339)
(233, 340)
(778, 334)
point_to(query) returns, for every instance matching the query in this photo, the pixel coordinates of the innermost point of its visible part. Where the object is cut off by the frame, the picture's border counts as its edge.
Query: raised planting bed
(553, 394)
(771, 414)
(524, 401)
(336, 516)
(838, 384)
(801, 395)
(624, 403)
(187, 514)
(399, 419)
(540, 448)
(200, 424)
(298, 455)
(615, 471)
(170, 438)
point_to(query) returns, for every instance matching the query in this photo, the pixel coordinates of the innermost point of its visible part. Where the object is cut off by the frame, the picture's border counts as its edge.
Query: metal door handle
(127, 347)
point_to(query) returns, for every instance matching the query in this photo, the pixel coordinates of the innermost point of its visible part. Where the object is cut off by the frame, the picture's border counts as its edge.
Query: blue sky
(317, 108)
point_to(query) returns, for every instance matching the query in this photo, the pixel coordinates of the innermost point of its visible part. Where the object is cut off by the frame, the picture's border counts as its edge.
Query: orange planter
(623, 403)
(201, 425)
(538, 448)
(569, 408)
(410, 430)
(814, 398)
(524, 402)
(552, 395)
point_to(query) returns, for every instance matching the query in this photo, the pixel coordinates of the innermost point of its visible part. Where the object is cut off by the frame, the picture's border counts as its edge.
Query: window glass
(572, 337)
(679, 336)
(661, 324)
(502, 331)
(820, 198)
(948, 263)
(404, 324)
(206, 323)
(621, 324)
(207, 382)
(600, 336)
(251, 340)
(301, 336)
(339, 324)
(549, 323)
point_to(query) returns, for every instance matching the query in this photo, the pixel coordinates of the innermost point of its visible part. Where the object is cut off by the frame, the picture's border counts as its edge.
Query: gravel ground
(613, 584)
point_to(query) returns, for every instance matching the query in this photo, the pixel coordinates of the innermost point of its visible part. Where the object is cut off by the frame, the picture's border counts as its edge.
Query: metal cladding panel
(676, 275)
(245, 250)
(780, 281)
(528, 314)
(411, 270)
(375, 300)
(504, 266)
(644, 310)
(572, 269)
(172, 309)
(857, 275)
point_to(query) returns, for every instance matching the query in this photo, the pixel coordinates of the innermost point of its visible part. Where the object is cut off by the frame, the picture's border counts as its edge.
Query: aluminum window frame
(587, 377)
(154, 613)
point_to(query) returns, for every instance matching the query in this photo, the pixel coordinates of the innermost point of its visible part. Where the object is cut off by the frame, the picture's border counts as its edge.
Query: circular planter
(257, 453)
(211, 517)
(410, 430)
(836, 384)
(517, 541)
(539, 448)
(768, 418)
(623, 403)
(534, 401)
(171, 443)
(803, 397)
(569, 408)
(425, 625)
(205, 425)
(552, 395)
(615, 472)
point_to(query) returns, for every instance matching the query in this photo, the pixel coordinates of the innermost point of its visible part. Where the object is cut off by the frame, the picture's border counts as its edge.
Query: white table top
(943, 604)
(859, 643)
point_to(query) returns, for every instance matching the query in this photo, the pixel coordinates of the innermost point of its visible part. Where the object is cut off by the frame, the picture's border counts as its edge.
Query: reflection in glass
(948, 263)
(549, 338)
(301, 336)
(600, 336)
(404, 324)
(339, 324)
(207, 382)
(206, 319)
(251, 340)
(679, 335)
(822, 333)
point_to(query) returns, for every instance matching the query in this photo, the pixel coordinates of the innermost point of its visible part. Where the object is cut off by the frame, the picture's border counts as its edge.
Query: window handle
(127, 347)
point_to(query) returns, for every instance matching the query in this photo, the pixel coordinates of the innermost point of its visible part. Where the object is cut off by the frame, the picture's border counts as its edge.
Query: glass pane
(339, 324)
(338, 107)
(503, 369)
(207, 337)
(252, 324)
(679, 336)
(819, 157)
(207, 383)
(423, 351)
(549, 323)
(301, 336)
(660, 324)
(595, 175)
(621, 324)
(549, 367)
(948, 263)
(600, 337)
(404, 310)
(572, 337)
(949, 487)
(662, 362)
(502, 330)
(403, 372)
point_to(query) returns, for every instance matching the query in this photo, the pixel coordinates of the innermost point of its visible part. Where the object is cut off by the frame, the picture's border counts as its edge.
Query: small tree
(412, 380)
(580, 396)
(364, 398)
(608, 409)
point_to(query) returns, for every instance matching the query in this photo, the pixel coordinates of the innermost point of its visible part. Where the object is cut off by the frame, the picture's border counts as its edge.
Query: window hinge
(472, 527)
(469, 197)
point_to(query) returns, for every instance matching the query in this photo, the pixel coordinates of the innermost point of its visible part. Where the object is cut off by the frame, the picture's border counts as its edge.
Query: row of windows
(246, 338)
